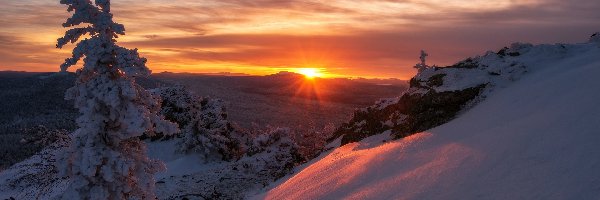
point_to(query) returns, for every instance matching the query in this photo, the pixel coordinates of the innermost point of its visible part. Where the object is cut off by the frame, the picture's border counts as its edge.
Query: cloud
(542, 12)
(369, 37)
(18, 54)
(389, 53)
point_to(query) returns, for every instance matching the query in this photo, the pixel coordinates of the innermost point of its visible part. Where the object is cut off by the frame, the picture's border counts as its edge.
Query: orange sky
(368, 38)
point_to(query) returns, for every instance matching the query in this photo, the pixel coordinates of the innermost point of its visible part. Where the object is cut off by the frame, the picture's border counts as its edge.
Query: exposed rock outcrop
(436, 95)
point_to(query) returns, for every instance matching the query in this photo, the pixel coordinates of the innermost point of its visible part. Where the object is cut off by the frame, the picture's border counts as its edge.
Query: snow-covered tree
(422, 65)
(312, 141)
(106, 159)
(271, 153)
(204, 124)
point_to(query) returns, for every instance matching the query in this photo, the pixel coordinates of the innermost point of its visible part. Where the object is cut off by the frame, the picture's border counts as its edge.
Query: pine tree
(204, 125)
(106, 159)
(422, 65)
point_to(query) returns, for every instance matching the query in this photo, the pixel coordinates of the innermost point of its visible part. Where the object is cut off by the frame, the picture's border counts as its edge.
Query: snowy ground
(537, 138)
(534, 138)
(176, 163)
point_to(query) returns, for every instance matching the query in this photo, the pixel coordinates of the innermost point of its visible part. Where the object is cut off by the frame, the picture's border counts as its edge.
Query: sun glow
(310, 73)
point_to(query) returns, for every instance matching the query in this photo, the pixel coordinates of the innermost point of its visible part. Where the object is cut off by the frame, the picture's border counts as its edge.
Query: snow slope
(536, 138)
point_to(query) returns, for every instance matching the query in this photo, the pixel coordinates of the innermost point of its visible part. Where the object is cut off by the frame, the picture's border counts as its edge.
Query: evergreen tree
(422, 65)
(204, 125)
(106, 159)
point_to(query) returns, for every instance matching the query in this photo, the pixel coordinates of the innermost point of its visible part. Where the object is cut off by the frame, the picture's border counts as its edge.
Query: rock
(421, 112)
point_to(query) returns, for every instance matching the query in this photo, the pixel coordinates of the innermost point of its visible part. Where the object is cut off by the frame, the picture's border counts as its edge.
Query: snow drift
(535, 138)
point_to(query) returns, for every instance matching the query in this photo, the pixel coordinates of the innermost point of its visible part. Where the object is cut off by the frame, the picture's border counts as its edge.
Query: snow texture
(268, 154)
(440, 94)
(106, 160)
(36, 177)
(536, 138)
(204, 125)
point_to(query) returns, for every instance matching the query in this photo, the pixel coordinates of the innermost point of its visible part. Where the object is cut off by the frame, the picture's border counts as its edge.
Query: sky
(342, 38)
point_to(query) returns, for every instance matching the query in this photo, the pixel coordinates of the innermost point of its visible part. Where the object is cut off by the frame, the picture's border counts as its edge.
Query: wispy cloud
(357, 38)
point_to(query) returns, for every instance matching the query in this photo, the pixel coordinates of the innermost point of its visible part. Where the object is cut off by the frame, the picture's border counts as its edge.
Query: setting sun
(310, 72)
(299, 99)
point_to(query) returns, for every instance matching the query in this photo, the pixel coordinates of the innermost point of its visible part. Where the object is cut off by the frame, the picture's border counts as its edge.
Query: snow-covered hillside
(533, 137)
(521, 123)
(210, 159)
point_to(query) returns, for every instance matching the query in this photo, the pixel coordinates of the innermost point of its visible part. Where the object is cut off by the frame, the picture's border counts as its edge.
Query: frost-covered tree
(106, 159)
(423, 57)
(422, 65)
(271, 153)
(204, 125)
